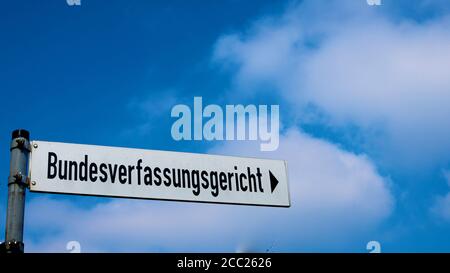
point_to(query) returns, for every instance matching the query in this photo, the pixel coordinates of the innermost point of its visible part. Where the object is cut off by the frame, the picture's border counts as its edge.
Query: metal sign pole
(17, 184)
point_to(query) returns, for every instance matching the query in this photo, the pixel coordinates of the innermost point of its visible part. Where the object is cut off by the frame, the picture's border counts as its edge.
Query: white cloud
(358, 67)
(327, 182)
(337, 197)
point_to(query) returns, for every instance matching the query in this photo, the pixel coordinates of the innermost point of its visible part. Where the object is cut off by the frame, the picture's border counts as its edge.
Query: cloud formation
(356, 66)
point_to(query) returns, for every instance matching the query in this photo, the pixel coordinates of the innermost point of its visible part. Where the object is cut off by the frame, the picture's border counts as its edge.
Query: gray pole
(17, 184)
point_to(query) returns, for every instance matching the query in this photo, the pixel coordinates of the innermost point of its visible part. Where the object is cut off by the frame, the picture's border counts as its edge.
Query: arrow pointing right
(273, 181)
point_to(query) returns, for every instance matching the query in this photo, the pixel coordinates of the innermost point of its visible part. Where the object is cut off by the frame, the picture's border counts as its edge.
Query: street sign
(149, 174)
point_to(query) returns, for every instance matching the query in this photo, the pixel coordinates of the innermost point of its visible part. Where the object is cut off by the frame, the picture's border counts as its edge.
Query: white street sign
(148, 174)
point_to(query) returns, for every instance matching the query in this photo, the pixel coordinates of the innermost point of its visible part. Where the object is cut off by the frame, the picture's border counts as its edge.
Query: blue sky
(363, 95)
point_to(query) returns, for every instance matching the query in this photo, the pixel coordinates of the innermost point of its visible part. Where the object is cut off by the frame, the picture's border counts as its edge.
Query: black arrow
(273, 181)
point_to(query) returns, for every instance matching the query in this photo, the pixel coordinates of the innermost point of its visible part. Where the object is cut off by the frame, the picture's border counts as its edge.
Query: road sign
(149, 174)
